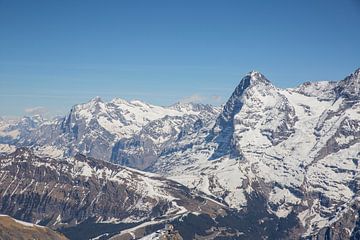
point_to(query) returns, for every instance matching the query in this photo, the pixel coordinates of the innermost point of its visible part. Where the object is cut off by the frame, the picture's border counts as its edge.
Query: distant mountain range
(271, 162)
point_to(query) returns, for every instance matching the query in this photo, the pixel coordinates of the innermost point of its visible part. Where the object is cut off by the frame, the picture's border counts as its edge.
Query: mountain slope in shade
(298, 148)
(11, 228)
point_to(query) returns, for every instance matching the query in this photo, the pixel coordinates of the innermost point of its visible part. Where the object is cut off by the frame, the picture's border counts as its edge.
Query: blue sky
(54, 54)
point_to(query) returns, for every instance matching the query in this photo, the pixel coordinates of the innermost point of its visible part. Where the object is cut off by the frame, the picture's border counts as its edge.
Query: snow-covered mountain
(131, 133)
(298, 148)
(283, 160)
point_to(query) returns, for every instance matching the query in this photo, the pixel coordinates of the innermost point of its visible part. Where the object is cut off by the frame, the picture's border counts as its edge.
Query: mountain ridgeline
(270, 163)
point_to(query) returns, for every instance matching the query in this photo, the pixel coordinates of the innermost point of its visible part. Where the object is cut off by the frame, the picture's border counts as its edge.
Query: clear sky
(54, 54)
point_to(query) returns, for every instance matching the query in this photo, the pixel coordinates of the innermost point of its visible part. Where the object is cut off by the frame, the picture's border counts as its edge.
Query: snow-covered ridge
(123, 117)
(98, 129)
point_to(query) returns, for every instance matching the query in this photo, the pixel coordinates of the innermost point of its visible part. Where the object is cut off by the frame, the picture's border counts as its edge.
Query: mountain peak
(255, 73)
(255, 77)
(254, 84)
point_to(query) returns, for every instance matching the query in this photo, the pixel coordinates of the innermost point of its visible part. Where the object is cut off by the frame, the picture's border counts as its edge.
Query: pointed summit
(235, 102)
(253, 78)
(256, 76)
(224, 127)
